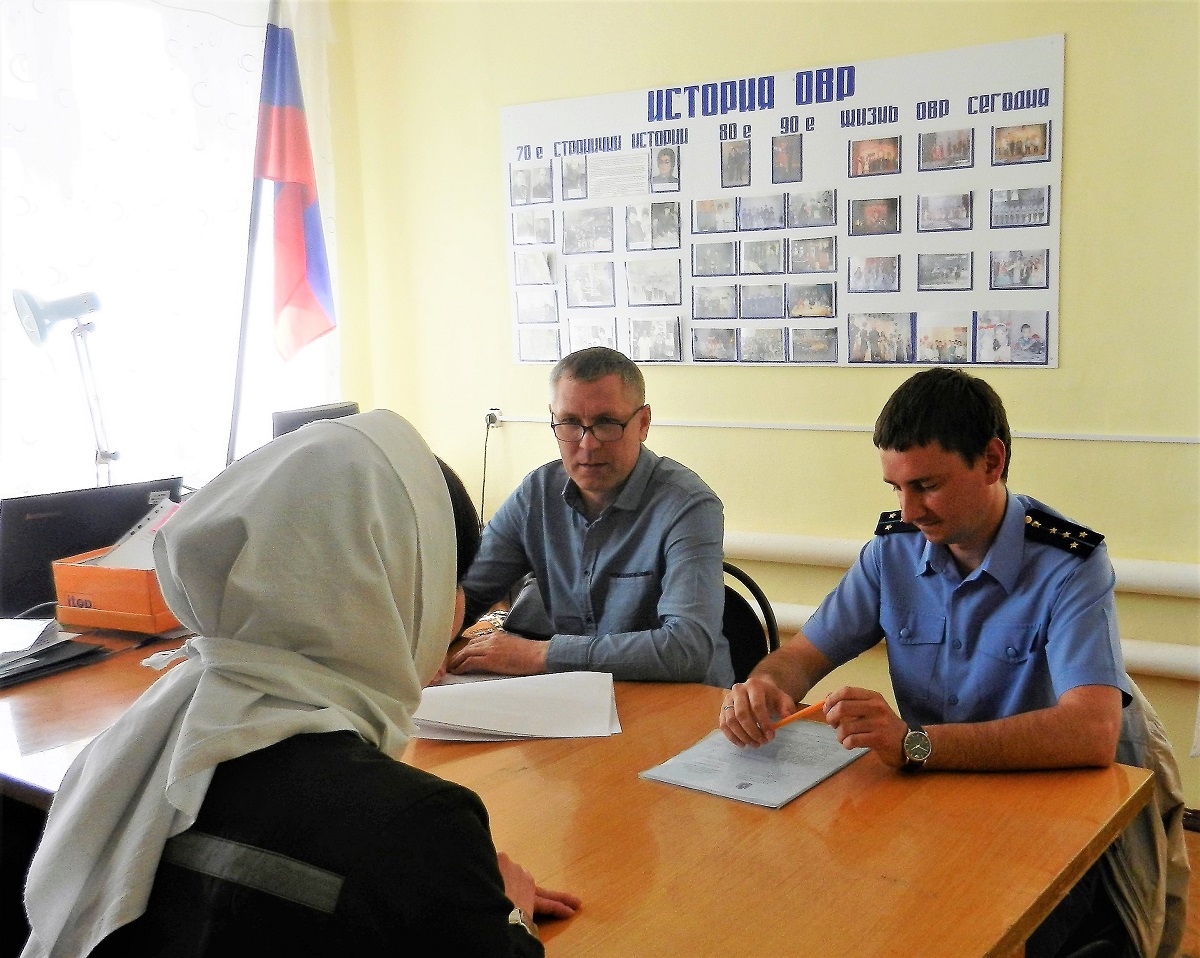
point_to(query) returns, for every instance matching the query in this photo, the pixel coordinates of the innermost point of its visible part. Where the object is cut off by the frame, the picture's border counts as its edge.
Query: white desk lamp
(37, 317)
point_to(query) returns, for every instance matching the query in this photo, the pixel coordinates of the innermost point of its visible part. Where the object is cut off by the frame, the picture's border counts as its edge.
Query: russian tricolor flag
(303, 292)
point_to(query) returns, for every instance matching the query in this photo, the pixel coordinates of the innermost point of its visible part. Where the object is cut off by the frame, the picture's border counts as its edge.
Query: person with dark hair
(665, 178)
(252, 801)
(1000, 624)
(626, 546)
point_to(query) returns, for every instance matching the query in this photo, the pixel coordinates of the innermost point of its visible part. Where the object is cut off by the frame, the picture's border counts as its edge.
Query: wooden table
(871, 862)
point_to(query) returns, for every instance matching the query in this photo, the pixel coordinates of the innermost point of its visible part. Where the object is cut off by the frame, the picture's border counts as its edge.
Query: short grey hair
(595, 362)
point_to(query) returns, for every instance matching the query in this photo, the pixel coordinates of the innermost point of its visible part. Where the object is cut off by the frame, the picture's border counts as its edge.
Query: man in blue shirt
(998, 615)
(626, 546)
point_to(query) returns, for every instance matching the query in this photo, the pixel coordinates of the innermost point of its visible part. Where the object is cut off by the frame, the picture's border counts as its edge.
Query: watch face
(917, 746)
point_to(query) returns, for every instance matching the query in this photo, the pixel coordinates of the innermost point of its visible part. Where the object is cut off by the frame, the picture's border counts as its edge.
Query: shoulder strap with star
(889, 522)
(1056, 531)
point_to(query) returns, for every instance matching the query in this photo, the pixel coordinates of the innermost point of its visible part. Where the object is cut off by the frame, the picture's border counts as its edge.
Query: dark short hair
(595, 362)
(467, 532)
(667, 152)
(959, 412)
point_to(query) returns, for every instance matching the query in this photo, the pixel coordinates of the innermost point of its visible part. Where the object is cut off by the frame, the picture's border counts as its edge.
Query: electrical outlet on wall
(492, 417)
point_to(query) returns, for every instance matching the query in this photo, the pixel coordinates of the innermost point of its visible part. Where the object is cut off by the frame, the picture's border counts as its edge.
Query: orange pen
(805, 712)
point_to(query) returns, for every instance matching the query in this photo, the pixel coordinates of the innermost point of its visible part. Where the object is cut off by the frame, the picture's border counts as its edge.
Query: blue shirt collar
(631, 494)
(1003, 559)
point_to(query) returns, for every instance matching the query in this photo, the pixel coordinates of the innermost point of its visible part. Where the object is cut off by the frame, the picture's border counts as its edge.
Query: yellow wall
(417, 93)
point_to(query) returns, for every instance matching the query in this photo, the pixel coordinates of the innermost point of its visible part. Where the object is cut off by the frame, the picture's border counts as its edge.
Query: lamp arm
(104, 455)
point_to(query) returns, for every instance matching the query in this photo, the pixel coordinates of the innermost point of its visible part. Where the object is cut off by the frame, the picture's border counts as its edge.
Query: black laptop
(36, 530)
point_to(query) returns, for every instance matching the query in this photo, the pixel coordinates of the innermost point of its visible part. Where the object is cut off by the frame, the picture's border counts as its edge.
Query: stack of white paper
(558, 705)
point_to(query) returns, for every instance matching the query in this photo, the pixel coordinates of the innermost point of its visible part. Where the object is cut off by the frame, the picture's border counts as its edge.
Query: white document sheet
(801, 755)
(22, 637)
(558, 705)
(134, 550)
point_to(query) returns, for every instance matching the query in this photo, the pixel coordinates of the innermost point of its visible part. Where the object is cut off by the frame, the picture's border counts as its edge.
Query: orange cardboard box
(93, 597)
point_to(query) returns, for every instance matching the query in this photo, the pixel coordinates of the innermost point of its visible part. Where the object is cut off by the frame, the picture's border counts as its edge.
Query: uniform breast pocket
(914, 643)
(633, 600)
(1008, 642)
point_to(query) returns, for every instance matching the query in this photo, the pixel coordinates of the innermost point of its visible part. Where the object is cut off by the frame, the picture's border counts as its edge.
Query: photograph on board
(664, 225)
(1020, 269)
(874, 157)
(637, 226)
(1027, 143)
(665, 178)
(762, 302)
(1024, 207)
(873, 274)
(537, 304)
(654, 340)
(538, 344)
(945, 271)
(588, 230)
(759, 345)
(535, 267)
(714, 345)
(762, 212)
(815, 299)
(944, 337)
(714, 216)
(1012, 336)
(948, 211)
(714, 302)
(816, 255)
(762, 256)
(946, 150)
(875, 217)
(735, 163)
(534, 225)
(818, 208)
(599, 332)
(574, 177)
(880, 337)
(590, 284)
(714, 259)
(541, 186)
(653, 282)
(813, 345)
(787, 158)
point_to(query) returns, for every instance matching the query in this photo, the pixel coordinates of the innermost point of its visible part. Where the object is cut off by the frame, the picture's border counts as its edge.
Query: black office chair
(750, 639)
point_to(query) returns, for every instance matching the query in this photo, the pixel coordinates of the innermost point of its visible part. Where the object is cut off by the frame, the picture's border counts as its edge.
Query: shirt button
(953, 699)
(956, 644)
(1011, 652)
(905, 633)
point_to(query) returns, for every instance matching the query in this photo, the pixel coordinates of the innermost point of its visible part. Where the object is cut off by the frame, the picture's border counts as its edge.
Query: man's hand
(500, 653)
(864, 719)
(750, 708)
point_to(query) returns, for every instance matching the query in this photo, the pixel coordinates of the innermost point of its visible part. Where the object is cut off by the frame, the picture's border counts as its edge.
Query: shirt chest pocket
(1014, 643)
(910, 628)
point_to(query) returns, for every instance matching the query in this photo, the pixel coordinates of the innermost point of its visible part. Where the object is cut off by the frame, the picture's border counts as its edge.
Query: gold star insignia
(888, 527)
(1053, 531)
(1066, 535)
(1074, 545)
(1081, 534)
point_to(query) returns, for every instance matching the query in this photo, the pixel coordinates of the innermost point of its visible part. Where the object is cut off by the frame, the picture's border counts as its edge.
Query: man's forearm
(1080, 731)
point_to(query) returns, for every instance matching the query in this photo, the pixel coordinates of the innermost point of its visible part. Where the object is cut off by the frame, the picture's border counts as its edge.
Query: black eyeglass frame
(584, 430)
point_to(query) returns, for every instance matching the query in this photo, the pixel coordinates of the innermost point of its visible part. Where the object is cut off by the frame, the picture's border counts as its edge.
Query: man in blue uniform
(997, 612)
(625, 545)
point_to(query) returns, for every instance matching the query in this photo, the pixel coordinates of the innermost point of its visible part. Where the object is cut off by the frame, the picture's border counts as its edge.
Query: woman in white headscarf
(247, 801)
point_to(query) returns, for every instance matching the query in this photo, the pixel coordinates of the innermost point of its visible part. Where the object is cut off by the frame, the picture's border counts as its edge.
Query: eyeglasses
(606, 430)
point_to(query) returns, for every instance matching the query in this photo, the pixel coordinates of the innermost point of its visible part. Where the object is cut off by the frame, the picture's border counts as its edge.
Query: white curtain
(127, 132)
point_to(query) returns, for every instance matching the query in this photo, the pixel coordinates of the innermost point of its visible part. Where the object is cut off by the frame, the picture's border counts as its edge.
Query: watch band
(518, 917)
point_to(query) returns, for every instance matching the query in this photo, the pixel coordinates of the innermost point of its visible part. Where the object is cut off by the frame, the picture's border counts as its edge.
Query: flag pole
(251, 243)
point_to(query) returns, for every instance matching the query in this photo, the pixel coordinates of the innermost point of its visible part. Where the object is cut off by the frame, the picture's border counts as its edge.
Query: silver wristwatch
(517, 917)
(917, 747)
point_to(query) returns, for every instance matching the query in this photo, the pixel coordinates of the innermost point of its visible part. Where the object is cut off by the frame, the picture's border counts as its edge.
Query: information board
(857, 214)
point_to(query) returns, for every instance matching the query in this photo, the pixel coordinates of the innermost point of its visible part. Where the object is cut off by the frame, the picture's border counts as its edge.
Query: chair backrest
(750, 639)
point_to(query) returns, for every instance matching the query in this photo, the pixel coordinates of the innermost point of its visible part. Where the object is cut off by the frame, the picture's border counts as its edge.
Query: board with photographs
(857, 214)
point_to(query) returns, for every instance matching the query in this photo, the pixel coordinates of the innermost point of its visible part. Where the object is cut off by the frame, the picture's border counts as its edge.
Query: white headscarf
(320, 571)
